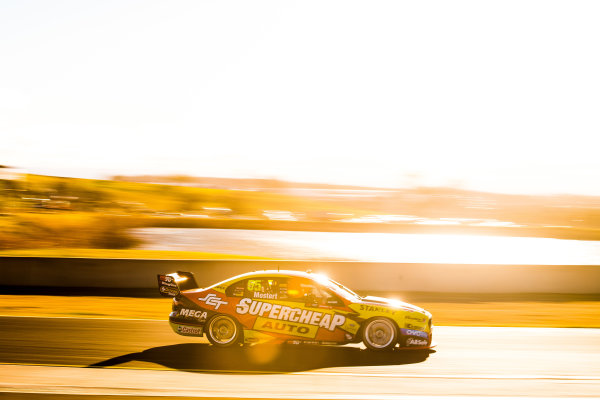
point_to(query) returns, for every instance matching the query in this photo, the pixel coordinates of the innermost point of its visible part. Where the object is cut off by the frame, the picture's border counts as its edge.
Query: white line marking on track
(458, 376)
(350, 374)
(212, 395)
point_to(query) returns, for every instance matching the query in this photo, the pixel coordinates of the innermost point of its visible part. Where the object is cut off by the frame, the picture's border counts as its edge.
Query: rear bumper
(186, 329)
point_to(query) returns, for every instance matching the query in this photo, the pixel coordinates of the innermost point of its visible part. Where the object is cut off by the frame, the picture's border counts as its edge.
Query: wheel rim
(380, 334)
(223, 330)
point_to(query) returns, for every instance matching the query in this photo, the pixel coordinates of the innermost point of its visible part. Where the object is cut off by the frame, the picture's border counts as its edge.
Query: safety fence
(365, 276)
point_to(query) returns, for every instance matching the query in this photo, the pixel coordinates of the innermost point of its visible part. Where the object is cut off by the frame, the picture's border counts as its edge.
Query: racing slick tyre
(223, 331)
(380, 334)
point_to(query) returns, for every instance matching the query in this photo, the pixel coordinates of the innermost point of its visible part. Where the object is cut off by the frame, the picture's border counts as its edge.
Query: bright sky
(492, 95)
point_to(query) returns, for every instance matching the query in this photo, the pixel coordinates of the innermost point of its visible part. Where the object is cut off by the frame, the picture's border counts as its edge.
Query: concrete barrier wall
(362, 276)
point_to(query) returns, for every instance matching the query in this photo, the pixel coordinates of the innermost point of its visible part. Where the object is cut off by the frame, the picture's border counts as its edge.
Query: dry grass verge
(73, 230)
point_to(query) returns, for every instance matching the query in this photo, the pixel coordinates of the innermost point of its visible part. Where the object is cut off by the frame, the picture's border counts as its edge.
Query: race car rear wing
(170, 285)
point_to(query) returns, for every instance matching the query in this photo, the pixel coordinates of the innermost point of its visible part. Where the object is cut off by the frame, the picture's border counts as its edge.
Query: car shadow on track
(203, 357)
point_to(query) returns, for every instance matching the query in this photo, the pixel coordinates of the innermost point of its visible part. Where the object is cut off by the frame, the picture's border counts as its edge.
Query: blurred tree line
(44, 211)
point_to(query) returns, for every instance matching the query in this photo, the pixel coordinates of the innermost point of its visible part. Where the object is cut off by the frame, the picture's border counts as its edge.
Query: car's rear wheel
(380, 334)
(223, 331)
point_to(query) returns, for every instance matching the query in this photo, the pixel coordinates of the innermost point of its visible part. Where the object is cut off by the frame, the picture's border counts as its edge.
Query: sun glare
(457, 249)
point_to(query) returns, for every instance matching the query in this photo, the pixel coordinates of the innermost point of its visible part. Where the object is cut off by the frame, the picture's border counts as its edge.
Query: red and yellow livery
(291, 307)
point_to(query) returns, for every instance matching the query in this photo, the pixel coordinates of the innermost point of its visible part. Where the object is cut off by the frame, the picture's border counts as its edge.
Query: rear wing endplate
(170, 285)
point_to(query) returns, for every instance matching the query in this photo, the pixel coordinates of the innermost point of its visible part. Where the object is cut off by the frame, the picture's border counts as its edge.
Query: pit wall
(361, 276)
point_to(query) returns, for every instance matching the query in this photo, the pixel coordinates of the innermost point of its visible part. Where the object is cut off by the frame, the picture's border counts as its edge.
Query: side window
(332, 299)
(236, 289)
(312, 294)
(300, 289)
(295, 289)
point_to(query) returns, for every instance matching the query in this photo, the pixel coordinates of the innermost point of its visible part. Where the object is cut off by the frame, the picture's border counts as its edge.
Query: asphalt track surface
(52, 358)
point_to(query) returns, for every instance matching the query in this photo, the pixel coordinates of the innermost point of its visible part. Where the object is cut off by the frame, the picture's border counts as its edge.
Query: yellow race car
(291, 307)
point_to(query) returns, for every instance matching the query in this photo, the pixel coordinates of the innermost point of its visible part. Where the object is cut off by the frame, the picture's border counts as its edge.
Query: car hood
(382, 301)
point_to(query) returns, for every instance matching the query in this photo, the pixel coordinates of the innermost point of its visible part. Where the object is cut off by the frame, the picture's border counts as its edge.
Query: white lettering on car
(186, 312)
(294, 314)
(338, 320)
(305, 317)
(254, 308)
(316, 317)
(189, 330)
(412, 332)
(274, 311)
(416, 342)
(285, 313)
(212, 300)
(243, 306)
(325, 321)
(264, 308)
(259, 295)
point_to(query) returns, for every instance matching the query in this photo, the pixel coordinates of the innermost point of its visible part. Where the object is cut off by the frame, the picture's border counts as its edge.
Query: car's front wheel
(223, 331)
(380, 334)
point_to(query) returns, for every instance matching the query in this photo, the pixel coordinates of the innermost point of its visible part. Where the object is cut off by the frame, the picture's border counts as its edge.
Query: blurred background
(453, 133)
(45, 215)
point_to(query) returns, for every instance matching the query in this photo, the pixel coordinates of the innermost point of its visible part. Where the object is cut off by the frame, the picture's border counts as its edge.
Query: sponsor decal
(311, 342)
(290, 314)
(169, 291)
(212, 300)
(412, 332)
(418, 318)
(189, 330)
(259, 295)
(288, 328)
(411, 326)
(416, 342)
(238, 291)
(364, 307)
(166, 278)
(188, 313)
